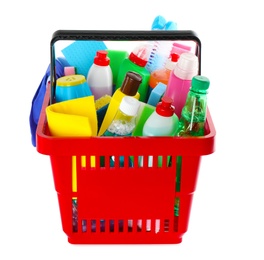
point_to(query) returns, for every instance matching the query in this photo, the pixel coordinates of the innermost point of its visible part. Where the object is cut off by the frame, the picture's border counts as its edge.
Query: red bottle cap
(101, 58)
(140, 55)
(165, 107)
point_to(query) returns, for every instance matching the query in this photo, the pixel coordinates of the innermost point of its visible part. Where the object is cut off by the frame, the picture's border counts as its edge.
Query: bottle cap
(187, 66)
(171, 63)
(131, 83)
(129, 105)
(140, 55)
(165, 107)
(200, 83)
(70, 80)
(101, 58)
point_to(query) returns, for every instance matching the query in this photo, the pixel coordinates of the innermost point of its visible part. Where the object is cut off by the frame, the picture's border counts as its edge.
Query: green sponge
(116, 58)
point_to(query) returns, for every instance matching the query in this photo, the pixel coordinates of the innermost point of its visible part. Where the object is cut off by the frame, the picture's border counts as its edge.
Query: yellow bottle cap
(71, 80)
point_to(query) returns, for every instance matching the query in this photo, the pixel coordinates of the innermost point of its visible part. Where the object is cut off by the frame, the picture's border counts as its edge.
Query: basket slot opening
(160, 161)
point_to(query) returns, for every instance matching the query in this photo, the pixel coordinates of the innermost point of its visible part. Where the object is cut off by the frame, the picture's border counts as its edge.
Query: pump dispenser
(129, 87)
(136, 62)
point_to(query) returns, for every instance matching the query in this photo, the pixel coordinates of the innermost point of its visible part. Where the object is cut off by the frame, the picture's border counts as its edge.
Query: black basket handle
(107, 35)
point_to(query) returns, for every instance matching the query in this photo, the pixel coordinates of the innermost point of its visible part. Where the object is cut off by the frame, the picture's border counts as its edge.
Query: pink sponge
(69, 71)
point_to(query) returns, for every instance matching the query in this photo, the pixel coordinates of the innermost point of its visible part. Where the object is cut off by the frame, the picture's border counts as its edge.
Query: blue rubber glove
(38, 98)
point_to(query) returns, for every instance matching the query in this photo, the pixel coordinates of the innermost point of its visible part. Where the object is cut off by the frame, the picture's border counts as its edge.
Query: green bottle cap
(200, 83)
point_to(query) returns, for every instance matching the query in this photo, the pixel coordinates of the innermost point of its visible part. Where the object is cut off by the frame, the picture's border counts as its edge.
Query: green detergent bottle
(136, 62)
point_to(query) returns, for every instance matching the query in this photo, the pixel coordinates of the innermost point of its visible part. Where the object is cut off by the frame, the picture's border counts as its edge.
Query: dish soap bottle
(100, 76)
(124, 120)
(129, 88)
(162, 122)
(136, 62)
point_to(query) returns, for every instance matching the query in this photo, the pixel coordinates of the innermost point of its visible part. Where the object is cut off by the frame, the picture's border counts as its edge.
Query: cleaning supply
(162, 122)
(160, 52)
(100, 77)
(116, 58)
(180, 80)
(160, 23)
(75, 117)
(136, 62)
(129, 87)
(101, 106)
(180, 48)
(193, 116)
(163, 74)
(70, 87)
(69, 70)
(156, 94)
(37, 100)
(144, 112)
(123, 124)
(124, 120)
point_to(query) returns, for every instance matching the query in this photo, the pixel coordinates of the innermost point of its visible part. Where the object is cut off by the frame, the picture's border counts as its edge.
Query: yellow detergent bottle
(129, 88)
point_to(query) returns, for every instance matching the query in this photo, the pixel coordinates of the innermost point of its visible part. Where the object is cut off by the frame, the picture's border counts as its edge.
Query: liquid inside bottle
(124, 121)
(193, 116)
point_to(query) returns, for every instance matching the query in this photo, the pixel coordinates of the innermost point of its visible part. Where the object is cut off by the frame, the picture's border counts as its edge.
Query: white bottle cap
(187, 66)
(129, 105)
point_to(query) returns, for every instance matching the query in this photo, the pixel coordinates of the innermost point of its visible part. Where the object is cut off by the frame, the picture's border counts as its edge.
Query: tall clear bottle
(193, 116)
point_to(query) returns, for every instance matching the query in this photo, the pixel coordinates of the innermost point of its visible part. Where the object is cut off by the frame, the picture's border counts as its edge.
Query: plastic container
(136, 62)
(100, 76)
(193, 114)
(162, 122)
(129, 87)
(180, 80)
(106, 197)
(124, 120)
(163, 75)
(71, 87)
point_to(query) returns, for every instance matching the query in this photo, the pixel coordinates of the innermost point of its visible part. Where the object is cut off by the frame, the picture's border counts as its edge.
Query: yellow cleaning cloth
(75, 117)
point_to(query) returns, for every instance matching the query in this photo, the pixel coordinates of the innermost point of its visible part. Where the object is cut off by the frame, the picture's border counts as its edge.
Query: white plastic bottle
(100, 76)
(163, 121)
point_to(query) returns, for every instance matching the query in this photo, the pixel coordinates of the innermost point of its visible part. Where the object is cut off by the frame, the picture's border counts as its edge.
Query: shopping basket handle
(118, 35)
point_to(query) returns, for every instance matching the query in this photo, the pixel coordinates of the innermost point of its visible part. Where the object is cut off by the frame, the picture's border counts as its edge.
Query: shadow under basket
(107, 195)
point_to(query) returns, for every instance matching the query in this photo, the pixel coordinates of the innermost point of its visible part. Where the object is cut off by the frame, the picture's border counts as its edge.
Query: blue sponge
(156, 94)
(80, 54)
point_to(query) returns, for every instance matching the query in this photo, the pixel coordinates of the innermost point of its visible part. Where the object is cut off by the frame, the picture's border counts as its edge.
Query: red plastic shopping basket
(124, 203)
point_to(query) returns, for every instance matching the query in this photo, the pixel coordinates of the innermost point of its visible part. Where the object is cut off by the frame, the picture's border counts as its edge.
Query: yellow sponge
(102, 101)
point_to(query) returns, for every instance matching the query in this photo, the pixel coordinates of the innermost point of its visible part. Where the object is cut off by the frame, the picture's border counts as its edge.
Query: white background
(227, 219)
